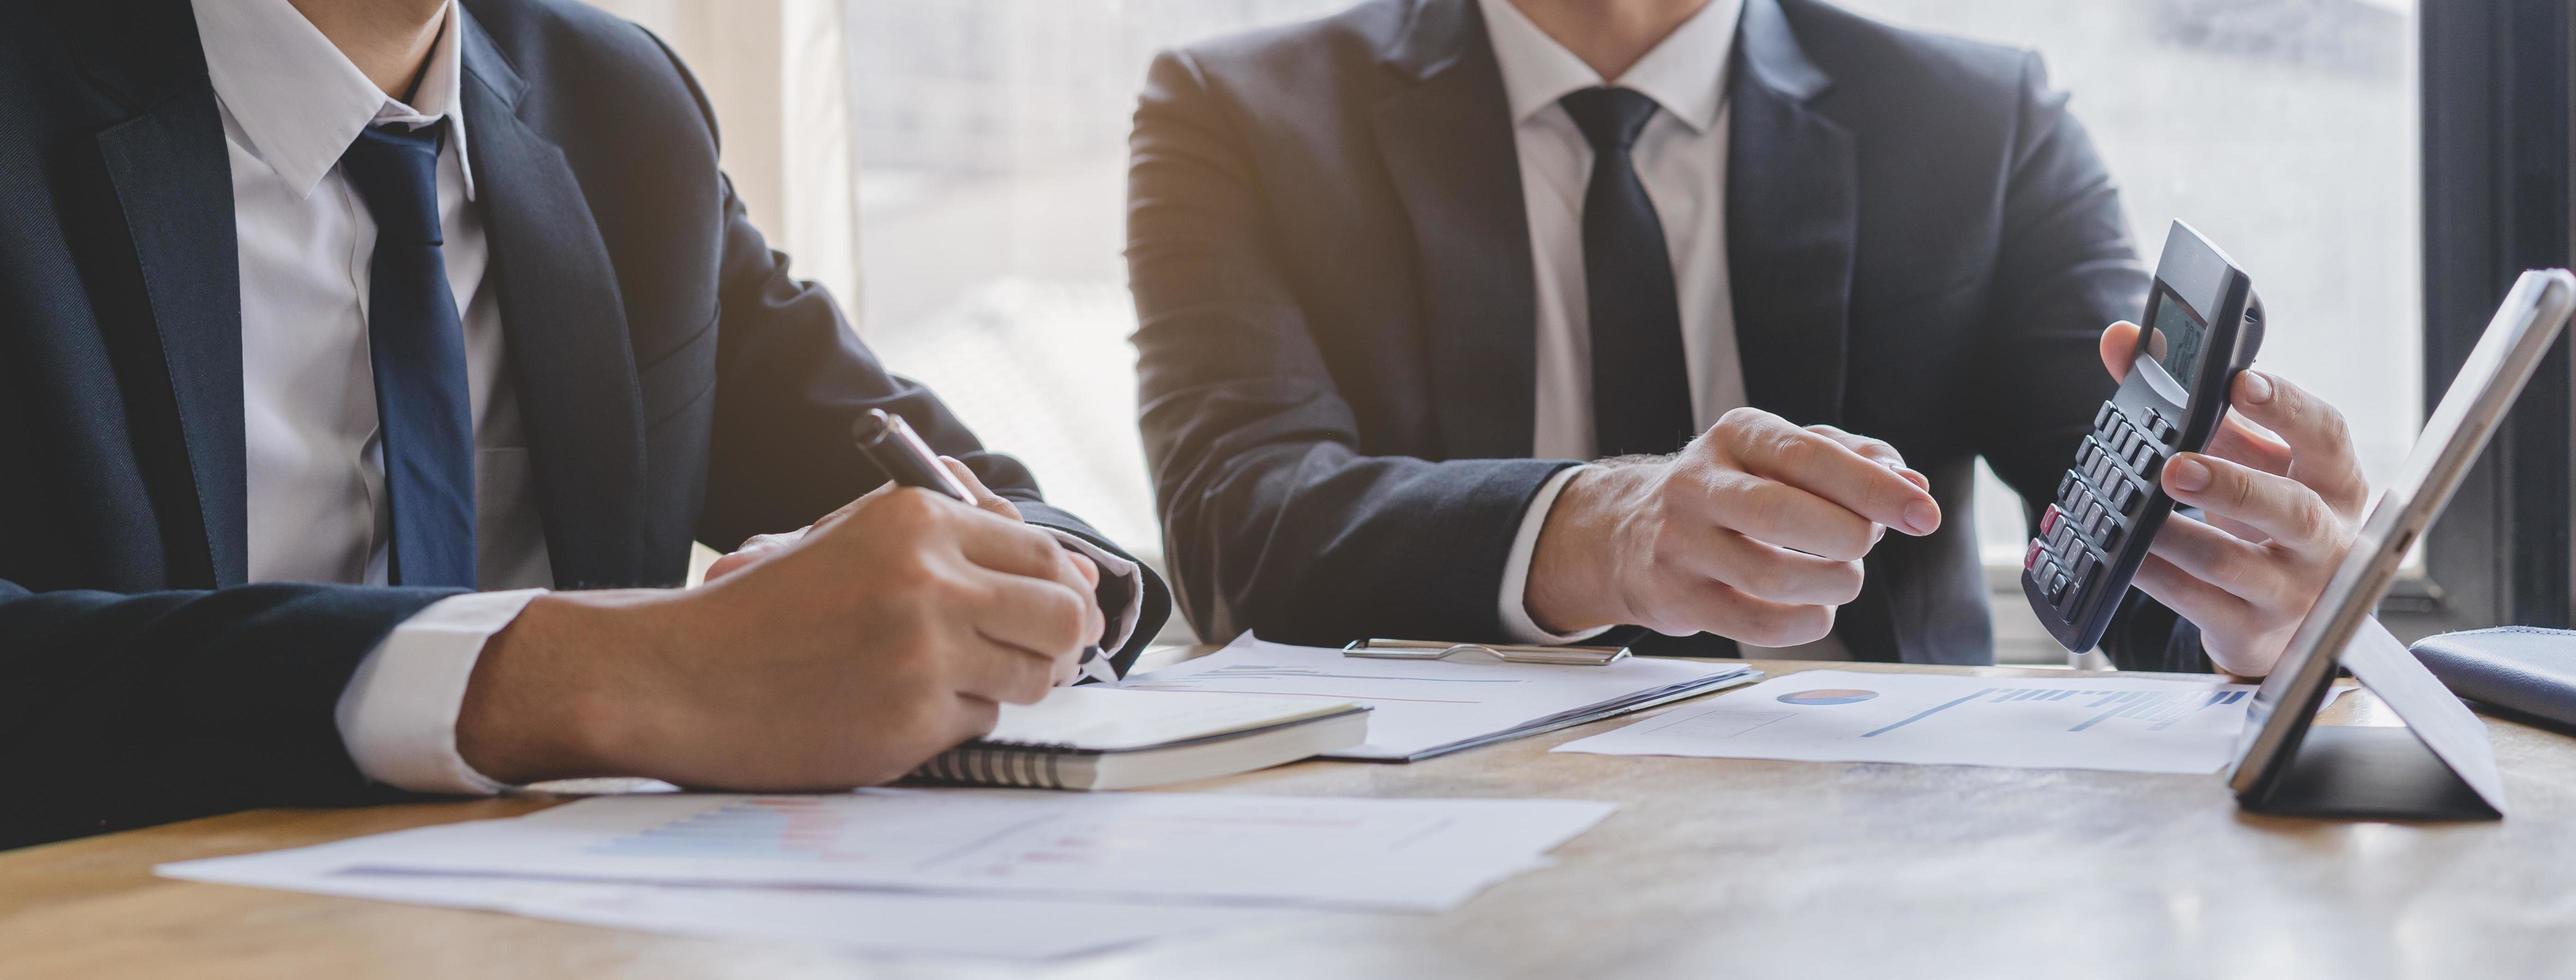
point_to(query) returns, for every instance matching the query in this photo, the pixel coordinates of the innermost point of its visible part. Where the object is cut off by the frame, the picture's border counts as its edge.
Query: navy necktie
(1640, 384)
(425, 421)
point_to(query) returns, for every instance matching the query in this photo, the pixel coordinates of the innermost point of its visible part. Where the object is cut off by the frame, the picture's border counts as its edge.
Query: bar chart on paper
(2126, 724)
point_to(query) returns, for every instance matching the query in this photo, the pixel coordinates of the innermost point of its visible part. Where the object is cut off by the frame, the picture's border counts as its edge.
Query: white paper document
(873, 923)
(2113, 723)
(1425, 707)
(1424, 855)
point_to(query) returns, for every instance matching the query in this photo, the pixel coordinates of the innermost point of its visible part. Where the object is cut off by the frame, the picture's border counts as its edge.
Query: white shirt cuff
(398, 714)
(1513, 604)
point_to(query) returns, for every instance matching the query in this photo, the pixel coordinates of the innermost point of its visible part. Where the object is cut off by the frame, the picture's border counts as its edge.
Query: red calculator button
(2030, 559)
(2048, 521)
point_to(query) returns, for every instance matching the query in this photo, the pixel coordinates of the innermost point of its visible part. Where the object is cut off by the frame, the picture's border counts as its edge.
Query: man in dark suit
(1400, 270)
(334, 332)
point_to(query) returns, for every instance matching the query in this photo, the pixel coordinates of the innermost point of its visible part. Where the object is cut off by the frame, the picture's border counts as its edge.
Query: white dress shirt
(291, 105)
(1681, 159)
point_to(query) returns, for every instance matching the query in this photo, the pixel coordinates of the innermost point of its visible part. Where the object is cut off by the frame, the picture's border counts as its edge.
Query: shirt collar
(301, 102)
(1685, 73)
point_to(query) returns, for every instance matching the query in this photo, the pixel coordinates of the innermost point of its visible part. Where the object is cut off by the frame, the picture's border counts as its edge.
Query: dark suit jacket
(677, 385)
(1332, 267)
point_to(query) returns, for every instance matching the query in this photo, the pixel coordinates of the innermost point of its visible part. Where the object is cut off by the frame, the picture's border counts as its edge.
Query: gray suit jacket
(1333, 273)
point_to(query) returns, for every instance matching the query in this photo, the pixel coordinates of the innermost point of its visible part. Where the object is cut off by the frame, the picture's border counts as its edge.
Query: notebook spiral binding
(1022, 765)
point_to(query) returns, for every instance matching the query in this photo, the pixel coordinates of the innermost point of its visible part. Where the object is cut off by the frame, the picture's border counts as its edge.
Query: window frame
(2498, 198)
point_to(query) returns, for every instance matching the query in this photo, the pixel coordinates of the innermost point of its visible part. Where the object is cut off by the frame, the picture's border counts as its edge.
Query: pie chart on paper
(1828, 695)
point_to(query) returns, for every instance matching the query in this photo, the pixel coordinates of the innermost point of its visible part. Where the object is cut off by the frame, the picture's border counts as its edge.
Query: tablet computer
(2278, 720)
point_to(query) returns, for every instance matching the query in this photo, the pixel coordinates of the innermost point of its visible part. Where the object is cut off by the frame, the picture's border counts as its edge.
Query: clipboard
(1571, 656)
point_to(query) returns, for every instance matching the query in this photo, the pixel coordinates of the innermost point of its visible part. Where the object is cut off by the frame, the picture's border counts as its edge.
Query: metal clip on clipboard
(1382, 649)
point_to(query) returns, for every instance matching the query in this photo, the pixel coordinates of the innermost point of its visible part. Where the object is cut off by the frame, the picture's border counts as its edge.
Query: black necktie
(1640, 385)
(425, 422)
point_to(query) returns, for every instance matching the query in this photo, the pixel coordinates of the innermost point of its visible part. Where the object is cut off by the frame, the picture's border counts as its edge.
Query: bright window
(992, 145)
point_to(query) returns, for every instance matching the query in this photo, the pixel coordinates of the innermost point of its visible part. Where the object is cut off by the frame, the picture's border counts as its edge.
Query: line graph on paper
(2157, 710)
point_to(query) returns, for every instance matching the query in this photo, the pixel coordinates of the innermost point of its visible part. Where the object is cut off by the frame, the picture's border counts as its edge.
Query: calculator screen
(2175, 337)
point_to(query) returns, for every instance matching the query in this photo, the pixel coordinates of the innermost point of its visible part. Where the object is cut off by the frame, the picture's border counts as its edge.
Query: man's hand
(1754, 532)
(762, 545)
(893, 630)
(2284, 496)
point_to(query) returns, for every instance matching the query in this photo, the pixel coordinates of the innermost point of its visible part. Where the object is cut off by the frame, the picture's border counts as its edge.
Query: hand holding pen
(894, 448)
(889, 442)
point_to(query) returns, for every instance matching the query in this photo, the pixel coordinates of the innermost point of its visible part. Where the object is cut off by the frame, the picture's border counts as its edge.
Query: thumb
(2119, 344)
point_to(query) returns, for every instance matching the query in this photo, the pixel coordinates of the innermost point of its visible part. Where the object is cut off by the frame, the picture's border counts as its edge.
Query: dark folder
(2523, 669)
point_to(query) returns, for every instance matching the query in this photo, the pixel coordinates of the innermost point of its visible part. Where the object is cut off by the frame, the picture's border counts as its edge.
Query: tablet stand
(2440, 767)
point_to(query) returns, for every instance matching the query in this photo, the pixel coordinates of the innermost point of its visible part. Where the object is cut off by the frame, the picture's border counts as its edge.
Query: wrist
(1573, 581)
(546, 702)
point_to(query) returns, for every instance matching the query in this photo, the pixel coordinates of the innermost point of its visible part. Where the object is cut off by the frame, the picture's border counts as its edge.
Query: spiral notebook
(1103, 738)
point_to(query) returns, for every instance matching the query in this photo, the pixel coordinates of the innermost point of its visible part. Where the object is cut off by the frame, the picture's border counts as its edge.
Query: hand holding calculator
(2202, 326)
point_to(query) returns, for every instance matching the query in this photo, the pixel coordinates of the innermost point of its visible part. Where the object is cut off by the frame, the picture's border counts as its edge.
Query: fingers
(1763, 571)
(1726, 611)
(2282, 509)
(2216, 611)
(1044, 620)
(2239, 442)
(1768, 446)
(1780, 514)
(995, 672)
(2236, 566)
(2119, 346)
(1012, 548)
(2235, 439)
(985, 498)
(1088, 587)
(2317, 437)
(1875, 450)
(1030, 553)
(1015, 563)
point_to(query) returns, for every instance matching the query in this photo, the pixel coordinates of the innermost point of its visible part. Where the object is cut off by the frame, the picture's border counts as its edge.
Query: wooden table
(1710, 868)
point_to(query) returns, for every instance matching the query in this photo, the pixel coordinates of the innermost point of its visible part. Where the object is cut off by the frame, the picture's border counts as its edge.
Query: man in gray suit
(1402, 271)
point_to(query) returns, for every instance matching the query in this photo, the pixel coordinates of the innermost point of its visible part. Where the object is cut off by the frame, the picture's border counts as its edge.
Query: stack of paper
(1425, 708)
(987, 872)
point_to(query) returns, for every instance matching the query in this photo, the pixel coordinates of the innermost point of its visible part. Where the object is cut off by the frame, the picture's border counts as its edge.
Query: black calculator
(2201, 328)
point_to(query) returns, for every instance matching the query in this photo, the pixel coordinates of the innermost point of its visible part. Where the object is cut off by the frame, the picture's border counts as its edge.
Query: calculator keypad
(2098, 502)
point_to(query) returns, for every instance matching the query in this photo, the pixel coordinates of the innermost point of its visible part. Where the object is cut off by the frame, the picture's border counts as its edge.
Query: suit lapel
(570, 359)
(1792, 225)
(1792, 220)
(1446, 136)
(174, 185)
